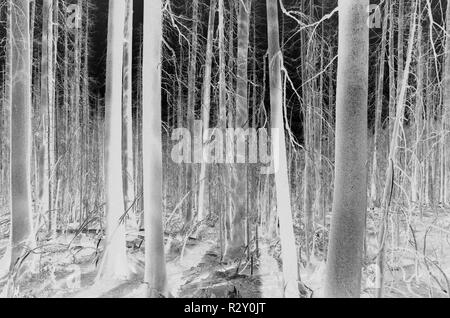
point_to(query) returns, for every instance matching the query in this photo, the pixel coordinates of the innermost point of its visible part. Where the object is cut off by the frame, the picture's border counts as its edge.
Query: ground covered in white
(418, 265)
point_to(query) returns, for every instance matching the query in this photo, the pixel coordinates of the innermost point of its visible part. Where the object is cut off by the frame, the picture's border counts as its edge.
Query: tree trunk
(350, 189)
(114, 264)
(192, 97)
(446, 118)
(387, 194)
(155, 266)
(222, 66)
(238, 176)
(392, 79)
(22, 235)
(283, 195)
(307, 132)
(378, 112)
(206, 108)
(46, 109)
(127, 159)
(228, 118)
(417, 177)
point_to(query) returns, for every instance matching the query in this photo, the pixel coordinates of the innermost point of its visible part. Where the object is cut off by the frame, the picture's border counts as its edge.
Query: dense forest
(225, 148)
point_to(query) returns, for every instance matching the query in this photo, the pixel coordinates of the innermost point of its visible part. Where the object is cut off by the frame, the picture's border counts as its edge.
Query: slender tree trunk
(283, 195)
(350, 195)
(53, 128)
(307, 132)
(378, 112)
(85, 119)
(192, 97)
(392, 79)
(127, 159)
(400, 70)
(446, 118)
(229, 117)
(417, 178)
(155, 266)
(138, 157)
(222, 122)
(400, 43)
(206, 108)
(46, 108)
(387, 194)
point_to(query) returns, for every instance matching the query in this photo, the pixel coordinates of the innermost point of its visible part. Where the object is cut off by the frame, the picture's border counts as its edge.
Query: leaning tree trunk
(22, 235)
(114, 264)
(398, 123)
(155, 266)
(283, 195)
(345, 252)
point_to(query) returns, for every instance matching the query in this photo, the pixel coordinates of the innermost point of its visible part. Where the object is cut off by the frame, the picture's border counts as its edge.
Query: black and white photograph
(224, 149)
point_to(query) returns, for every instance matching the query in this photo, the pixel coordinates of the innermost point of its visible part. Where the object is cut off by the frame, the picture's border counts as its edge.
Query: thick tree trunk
(155, 266)
(114, 264)
(22, 235)
(238, 176)
(350, 195)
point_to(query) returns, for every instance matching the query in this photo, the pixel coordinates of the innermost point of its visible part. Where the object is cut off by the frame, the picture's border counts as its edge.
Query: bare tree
(128, 159)
(239, 186)
(155, 266)
(389, 181)
(283, 195)
(350, 186)
(206, 106)
(114, 263)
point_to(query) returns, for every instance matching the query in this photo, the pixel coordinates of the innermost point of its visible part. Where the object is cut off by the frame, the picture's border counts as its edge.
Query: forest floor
(70, 272)
(419, 267)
